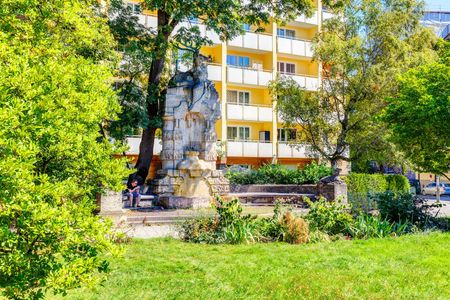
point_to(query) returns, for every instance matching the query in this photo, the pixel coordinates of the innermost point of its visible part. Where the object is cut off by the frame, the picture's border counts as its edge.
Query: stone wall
(329, 191)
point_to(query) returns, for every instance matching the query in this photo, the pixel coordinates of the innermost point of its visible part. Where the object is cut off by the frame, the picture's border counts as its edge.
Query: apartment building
(250, 130)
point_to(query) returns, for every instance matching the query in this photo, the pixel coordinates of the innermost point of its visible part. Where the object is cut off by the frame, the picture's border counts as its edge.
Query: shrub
(362, 187)
(397, 183)
(330, 217)
(366, 226)
(230, 226)
(296, 229)
(402, 207)
(277, 174)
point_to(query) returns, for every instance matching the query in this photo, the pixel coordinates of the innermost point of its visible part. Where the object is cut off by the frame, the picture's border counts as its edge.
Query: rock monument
(188, 178)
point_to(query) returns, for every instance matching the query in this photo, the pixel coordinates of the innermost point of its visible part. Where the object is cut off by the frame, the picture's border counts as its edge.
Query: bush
(402, 207)
(329, 217)
(366, 226)
(362, 187)
(277, 174)
(231, 227)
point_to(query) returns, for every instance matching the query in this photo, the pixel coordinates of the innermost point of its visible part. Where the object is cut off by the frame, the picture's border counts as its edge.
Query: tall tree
(224, 17)
(362, 48)
(419, 115)
(55, 76)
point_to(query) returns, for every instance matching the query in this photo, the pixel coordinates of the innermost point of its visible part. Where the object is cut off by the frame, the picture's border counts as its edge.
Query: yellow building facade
(250, 129)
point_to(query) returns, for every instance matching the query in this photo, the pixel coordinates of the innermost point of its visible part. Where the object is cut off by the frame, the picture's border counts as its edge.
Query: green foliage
(278, 174)
(231, 227)
(366, 226)
(331, 218)
(361, 187)
(418, 115)
(55, 73)
(363, 49)
(405, 207)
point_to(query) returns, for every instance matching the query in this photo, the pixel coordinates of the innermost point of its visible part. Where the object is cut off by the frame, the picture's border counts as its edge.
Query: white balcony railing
(310, 83)
(248, 76)
(215, 72)
(286, 150)
(249, 149)
(314, 20)
(134, 142)
(251, 40)
(294, 46)
(152, 22)
(262, 113)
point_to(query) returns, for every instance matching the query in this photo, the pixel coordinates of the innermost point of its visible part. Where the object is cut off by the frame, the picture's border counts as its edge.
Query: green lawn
(410, 267)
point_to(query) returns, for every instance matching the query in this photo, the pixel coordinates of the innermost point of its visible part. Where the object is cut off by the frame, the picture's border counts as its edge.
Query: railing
(310, 83)
(294, 46)
(251, 40)
(249, 112)
(287, 150)
(248, 76)
(135, 140)
(152, 22)
(249, 149)
(215, 72)
(312, 20)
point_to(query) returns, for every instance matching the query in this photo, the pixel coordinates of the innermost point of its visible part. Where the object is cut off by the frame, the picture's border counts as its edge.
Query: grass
(409, 267)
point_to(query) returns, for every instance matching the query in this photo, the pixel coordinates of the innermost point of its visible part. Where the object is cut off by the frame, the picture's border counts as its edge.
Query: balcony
(251, 40)
(152, 22)
(310, 83)
(313, 20)
(249, 149)
(286, 150)
(134, 141)
(294, 46)
(248, 76)
(259, 113)
(215, 72)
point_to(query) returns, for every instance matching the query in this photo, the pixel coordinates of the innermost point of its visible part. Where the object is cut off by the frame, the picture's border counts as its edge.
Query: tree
(418, 116)
(55, 76)
(225, 17)
(362, 49)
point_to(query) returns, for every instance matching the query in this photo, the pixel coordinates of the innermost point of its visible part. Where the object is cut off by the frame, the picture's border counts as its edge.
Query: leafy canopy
(55, 70)
(362, 49)
(418, 116)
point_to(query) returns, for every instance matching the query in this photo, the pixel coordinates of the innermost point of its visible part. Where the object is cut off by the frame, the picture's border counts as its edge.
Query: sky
(437, 4)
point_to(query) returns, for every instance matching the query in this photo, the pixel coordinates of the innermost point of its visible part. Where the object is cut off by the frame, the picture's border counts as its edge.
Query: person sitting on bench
(133, 193)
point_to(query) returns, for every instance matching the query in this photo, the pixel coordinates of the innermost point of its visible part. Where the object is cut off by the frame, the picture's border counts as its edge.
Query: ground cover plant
(277, 174)
(408, 267)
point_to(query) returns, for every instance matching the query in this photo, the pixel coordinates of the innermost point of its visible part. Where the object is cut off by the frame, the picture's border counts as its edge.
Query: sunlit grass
(409, 267)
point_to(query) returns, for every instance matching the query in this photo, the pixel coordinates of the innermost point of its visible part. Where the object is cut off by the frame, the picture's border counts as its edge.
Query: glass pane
(290, 33)
(247, 98)
(231, 60)
(231, 133)
(246, 27)
(232, 96)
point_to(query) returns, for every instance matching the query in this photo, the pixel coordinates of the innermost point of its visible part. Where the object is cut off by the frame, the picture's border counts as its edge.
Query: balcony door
(286, 68)
(238, 133)
(238, 97)
(238, 61)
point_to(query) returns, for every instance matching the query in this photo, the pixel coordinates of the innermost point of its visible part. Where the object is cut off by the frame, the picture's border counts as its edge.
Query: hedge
(277, 174)
(361, 188)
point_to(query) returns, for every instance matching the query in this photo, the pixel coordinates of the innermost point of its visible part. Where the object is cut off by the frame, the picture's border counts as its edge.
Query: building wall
(260, 115)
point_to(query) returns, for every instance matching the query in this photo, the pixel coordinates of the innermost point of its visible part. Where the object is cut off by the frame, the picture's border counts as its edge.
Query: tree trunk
(155, 96)
(145, 152)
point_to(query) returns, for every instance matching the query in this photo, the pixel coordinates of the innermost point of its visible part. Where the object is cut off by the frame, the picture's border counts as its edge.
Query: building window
(241, 133)
(246, 27)
(135, 8)
(239, 97)
(286, 68)
(286, 134)
(239, 61)
(286, 33)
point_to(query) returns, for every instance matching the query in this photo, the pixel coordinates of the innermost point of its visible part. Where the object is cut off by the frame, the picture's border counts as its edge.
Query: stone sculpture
(188, 178)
